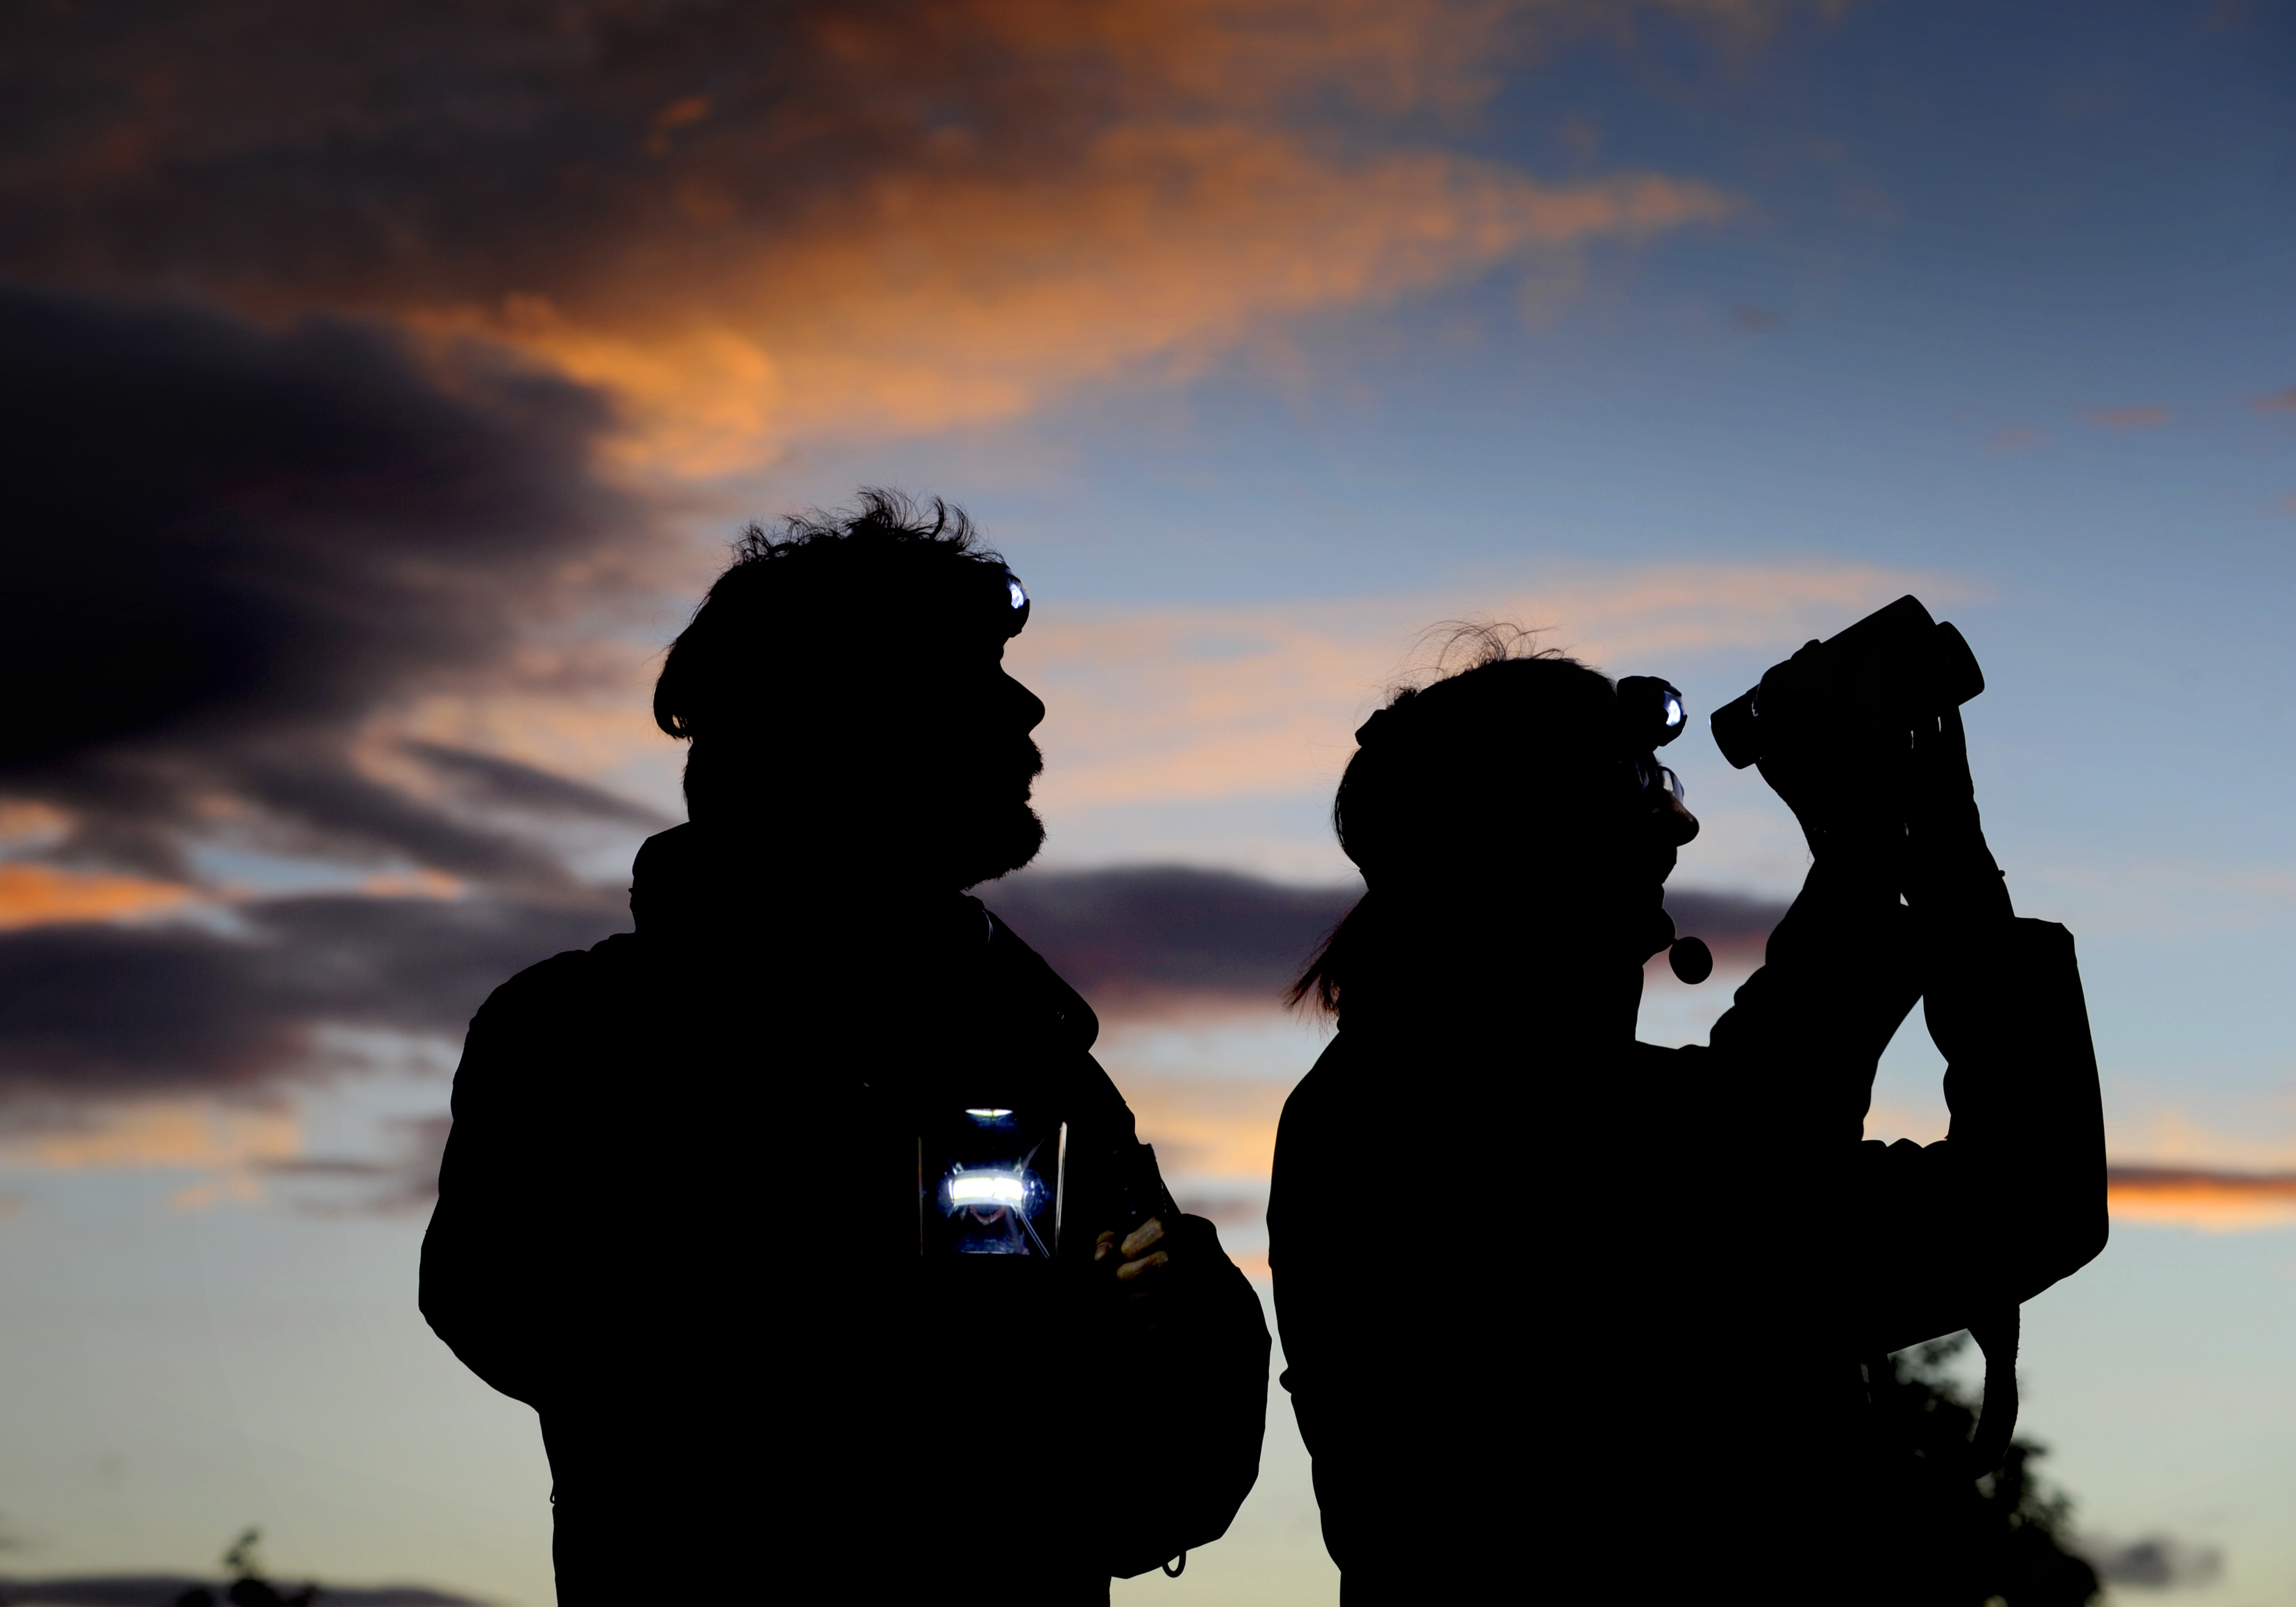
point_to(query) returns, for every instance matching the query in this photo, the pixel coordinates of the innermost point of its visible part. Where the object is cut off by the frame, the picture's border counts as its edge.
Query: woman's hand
(1138, 1252)
(1951, 874)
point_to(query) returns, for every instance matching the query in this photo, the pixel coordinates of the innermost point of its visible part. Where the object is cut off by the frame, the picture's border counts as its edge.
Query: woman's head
(1503, 802)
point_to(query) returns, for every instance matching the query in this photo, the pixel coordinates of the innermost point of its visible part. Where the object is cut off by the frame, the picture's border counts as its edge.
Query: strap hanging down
(1995, 1334)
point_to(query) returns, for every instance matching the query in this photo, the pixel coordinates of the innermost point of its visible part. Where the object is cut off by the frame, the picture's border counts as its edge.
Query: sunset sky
(384, 382)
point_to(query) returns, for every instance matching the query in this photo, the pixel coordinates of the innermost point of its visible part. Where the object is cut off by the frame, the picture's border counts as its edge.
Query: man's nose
(1030, 707)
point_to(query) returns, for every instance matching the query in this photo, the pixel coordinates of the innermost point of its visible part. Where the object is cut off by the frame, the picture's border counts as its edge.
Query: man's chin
(1000, 848)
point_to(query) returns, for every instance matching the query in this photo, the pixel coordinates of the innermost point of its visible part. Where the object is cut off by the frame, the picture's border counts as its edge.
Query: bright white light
(987, 1115)
(1013, 590)
(971, 1188)
(1673, 711)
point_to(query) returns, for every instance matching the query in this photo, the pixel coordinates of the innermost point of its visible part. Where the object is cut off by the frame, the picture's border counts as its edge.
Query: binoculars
(1896, 665)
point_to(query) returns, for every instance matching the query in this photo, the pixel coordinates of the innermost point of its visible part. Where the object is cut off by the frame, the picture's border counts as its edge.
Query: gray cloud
(404, 1181)
(509, 784)
(1735, 926)
(1129, 937)
(98, 1011)
(2155, 1562)
(237, 545)
(1122, 933)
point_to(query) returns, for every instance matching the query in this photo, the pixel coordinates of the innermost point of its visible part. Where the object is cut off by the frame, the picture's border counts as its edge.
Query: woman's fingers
(1141, 1237)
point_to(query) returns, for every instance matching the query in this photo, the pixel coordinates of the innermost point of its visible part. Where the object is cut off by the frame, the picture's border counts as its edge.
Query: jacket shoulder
(576, 974)
(1043, 987)
(1324, 1095)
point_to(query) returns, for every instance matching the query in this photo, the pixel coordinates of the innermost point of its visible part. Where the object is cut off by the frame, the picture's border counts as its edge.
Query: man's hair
(799, 593)
(1516, 741)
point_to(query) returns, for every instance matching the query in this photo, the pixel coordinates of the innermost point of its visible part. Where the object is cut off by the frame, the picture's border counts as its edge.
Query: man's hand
(1138, 1252)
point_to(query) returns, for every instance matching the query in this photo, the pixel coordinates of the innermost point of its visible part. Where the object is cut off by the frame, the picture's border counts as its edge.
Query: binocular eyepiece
(1895, 664)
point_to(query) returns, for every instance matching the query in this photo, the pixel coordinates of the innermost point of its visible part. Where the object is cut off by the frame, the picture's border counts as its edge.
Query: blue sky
(1685, 333)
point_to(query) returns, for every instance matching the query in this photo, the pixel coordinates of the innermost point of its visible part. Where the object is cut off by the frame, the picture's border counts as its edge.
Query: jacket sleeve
(1329, 1335)
(1200, 1345)
(1207, 1354)
(1919, 1238)
(1804, 1034)
(2012, 1199)
(486, 1281)
(1198, 1349)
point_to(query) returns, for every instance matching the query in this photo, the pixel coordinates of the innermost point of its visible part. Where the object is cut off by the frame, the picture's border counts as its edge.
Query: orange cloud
(2214, 1202)
(171, 1134)
(42, 895)
(756, 225)
(972, 299)
(2279, 401)
(2128, 418)
(1209, 703)
(1221, 1126)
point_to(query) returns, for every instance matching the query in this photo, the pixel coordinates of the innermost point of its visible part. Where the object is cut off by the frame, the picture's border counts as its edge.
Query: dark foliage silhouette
(1499, 1227)
(1962, 1542)
(243, 1586)
(892, 1300)
(248, 1587)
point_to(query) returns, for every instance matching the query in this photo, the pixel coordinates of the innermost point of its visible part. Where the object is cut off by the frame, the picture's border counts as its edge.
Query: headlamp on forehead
(1016, 604)
(1650, 713)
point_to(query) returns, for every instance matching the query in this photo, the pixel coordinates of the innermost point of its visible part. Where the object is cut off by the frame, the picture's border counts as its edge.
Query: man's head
(843, 689)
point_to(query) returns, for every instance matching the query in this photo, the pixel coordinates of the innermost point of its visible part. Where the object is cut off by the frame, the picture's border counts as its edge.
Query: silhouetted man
(724, 1199)
(1523, 1262)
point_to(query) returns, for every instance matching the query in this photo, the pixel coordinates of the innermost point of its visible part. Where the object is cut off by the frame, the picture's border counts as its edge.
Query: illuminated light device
(1650, 715)
(1016, 611)
(990, 1188)
(989, 1183)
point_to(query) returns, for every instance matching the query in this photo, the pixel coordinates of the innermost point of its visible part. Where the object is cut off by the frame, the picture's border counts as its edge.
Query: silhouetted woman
(1510, 1244)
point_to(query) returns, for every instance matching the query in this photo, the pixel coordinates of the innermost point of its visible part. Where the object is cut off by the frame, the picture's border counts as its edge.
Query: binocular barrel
(1896, 663)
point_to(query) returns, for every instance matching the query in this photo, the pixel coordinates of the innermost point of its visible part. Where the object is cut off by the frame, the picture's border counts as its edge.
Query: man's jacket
(1581, 1322)
(679, 1215)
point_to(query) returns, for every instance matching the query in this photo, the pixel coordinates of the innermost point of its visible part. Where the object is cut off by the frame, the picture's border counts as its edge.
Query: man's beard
(997, 833)
(998, 844)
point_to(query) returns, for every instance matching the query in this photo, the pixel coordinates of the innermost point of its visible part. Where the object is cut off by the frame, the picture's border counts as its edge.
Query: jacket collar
(689, 884)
